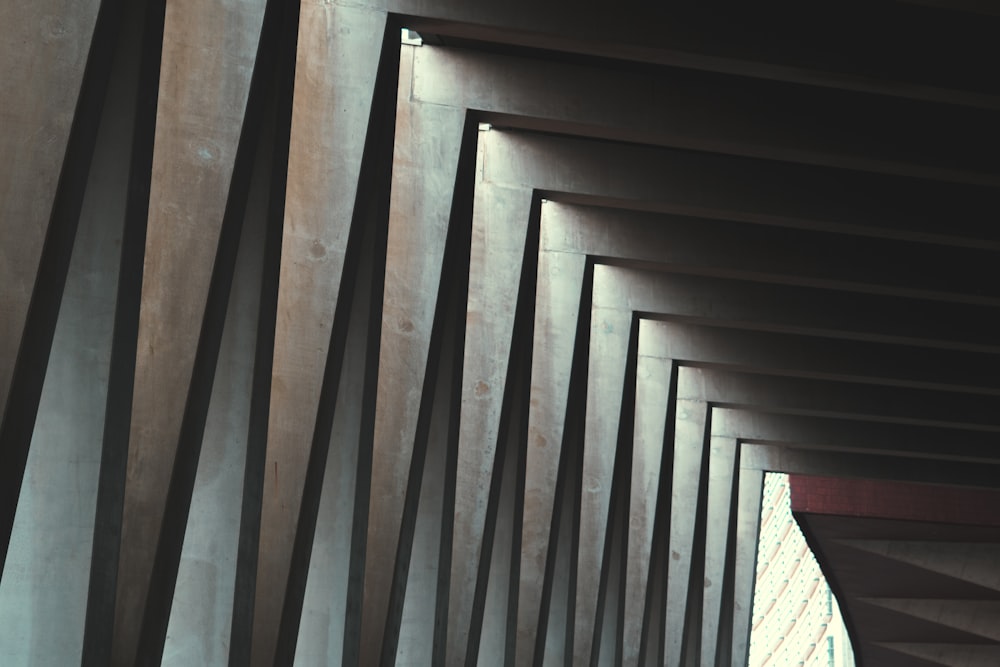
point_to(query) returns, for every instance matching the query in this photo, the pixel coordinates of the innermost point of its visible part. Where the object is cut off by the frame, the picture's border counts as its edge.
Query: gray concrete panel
(497, 612)
(198, 629)
(424, 173)
(499, 228)
(610, 334)
(748, 527)
(43, 590)
(198, 125)
(557, 310)
(723, 467)
(690, 438)
(653, 384)
(325, 607)
(43, 50)
(339, 49)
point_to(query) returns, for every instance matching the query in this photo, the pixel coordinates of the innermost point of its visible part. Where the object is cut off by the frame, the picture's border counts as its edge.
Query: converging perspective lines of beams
(420, 332)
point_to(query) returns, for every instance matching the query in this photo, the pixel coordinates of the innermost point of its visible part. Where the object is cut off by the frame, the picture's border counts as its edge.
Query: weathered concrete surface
(198, 123)
(503, 563)
(653, 394)
(748, 527)
(198, 631)
(325, 606)
(610, 339)
(338, 55)
(557, 311)
(43, 50)
(690, 438)
(723, 466)
(425, 164)
(500, 225)
(43, 591)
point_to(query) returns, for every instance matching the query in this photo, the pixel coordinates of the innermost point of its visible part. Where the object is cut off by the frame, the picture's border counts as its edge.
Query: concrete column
(43, 50)
(557, 321)
(610, 340)
(690, 438)
(748, 527)
(43, 588)
(198, 124)
(722, 470)
(339, 49)
(198, 631)
(653, 395)
(420, 210)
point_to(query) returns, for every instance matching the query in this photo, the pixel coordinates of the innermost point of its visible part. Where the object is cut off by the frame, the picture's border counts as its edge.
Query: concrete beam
(801, 47)
(710, 111)
(192, 167)
(339, 52)
(43, 50)
(748, 190)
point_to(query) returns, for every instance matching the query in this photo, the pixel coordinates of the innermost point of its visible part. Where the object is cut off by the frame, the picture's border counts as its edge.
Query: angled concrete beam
(339, 54)
(44, 578)
(192, 167)
(805, 310)
(416, 300)
(748, 528)
(803, 395)
(733, 249)
(655, 389)
(709, 111)
(691, 440)
(847, 435)
(794, 459)
(756, 191)
(612, 337)
(44, 50)
(801, 47)
(830, 358)
(723, 468)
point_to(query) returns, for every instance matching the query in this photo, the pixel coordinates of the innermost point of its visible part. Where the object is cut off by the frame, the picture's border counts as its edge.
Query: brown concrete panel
(339, 49)
(198, 124)
(43, 50)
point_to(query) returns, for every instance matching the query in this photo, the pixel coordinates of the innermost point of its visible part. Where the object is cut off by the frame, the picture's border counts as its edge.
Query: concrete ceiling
(321, 348)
